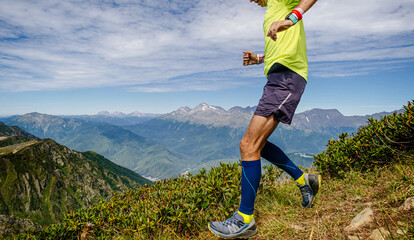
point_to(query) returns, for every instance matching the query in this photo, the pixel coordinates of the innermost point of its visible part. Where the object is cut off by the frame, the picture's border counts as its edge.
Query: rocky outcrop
(365, 219)
(353, 238)
(407, 205)
(379, 234)
(362, 219)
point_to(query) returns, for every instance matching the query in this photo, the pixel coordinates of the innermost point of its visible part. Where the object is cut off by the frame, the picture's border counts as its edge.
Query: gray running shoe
(310, 189)
(233, 227)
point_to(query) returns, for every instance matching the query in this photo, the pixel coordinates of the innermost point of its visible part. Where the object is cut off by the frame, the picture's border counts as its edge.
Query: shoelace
(305, 191)
(229, 221)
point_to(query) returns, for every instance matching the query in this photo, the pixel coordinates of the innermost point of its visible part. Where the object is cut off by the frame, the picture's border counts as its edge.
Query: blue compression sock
(250, 179)
(275, 155)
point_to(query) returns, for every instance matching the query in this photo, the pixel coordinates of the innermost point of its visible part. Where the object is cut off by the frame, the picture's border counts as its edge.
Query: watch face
(292, 17)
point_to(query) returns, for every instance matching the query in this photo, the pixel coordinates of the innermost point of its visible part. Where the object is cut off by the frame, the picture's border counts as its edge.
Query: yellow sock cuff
(301, 180)
(246, 218)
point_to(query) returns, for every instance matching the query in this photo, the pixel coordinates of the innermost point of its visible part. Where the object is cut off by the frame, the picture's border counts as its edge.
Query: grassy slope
(115, 143)
(75, 182)
(180, 208)
(119, 170)
(279, 214)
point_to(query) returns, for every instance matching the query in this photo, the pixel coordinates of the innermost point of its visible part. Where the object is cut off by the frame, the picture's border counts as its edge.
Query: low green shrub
(183, 205)
(379, 143)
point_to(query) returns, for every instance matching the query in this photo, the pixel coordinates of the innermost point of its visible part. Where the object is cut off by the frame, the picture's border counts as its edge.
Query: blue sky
(82, 57)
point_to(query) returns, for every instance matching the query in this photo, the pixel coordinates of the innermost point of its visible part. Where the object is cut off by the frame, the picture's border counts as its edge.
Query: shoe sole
(316, 185)
(315, 188)
(251, 234)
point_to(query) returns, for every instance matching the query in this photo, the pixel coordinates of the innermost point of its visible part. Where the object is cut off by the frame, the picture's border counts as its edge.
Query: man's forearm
(305, 5)
(297, 13)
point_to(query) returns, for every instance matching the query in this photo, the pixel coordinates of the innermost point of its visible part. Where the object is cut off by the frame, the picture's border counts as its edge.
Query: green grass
(279, 214)
(181, 208)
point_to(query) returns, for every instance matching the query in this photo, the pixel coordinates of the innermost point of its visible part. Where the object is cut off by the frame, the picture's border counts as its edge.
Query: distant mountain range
(315, 119)
(186, 139)
(117, 118)
(320, 119)
(115, 143)
(213, 131)
(41, 180)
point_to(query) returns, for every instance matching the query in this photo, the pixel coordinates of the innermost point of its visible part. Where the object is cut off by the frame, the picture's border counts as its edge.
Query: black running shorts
(281, 95)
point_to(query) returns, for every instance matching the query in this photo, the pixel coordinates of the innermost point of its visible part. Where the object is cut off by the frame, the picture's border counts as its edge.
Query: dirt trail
(23, 145)
(16, 147)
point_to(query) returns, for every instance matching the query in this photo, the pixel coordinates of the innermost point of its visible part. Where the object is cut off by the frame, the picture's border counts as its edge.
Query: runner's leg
(275, 155)
(251, 145)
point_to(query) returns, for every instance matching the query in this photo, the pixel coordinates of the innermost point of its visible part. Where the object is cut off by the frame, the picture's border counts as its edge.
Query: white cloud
(181, 45)
(355, 68)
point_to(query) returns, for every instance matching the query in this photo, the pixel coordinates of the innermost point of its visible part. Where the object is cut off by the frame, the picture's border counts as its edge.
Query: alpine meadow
(371, 170)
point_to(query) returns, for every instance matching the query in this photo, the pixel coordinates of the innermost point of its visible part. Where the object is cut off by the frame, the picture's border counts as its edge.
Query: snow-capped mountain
(315, 119)
(205, 114)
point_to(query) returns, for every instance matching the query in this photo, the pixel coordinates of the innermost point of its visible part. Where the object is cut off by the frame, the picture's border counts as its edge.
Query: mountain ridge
(115, 143)
(237, 116)
(14, 131)
(41, 180)
(205, 114)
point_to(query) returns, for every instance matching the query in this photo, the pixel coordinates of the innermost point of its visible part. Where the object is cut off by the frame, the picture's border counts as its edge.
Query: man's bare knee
(256, 135)
(244, 145)
(249, 149)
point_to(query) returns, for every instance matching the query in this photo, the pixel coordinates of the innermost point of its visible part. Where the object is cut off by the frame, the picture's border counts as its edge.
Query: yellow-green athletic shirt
(290, 47)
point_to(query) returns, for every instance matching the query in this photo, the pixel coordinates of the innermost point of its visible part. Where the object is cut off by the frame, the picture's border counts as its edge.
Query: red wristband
(297, 13)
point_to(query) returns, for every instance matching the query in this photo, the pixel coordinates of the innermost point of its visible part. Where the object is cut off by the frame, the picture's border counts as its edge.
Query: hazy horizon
(127, 113)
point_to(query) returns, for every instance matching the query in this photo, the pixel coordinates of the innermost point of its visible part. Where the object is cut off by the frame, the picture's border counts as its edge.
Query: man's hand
(249, 58)
(261, 3)
(278, 26)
